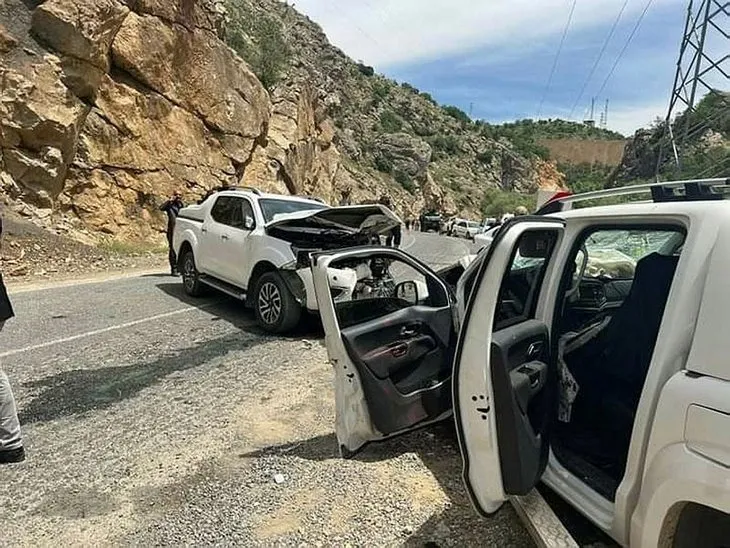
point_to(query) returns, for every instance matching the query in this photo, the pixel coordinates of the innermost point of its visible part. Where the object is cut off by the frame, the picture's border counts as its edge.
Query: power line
(557, 57)
(626, 46)
(600, 56)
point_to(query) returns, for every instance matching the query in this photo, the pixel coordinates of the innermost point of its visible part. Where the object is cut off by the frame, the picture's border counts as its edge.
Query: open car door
(390, 339)
(505, 377)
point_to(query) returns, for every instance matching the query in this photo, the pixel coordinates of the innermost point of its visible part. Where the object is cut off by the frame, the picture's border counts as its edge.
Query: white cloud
(390, 32)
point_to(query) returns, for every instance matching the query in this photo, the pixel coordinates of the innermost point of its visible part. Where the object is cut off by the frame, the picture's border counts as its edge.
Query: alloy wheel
(269, 303)
(189, 273)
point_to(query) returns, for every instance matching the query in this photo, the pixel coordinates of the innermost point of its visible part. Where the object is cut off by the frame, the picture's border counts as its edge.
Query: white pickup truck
(255, 247)
(591, 354)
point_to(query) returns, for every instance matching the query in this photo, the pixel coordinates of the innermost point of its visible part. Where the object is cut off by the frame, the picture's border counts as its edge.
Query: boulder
(7, 41)
(201, 14)
(83, 30)
(196, 71)
(39, 125)
(406, 153)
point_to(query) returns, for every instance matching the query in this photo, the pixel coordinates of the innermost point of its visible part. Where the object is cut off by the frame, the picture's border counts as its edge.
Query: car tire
(190, 275)
(275, 308)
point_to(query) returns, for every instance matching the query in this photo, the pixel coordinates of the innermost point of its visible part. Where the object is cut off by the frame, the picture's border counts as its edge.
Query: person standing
(172, 207)
(11, 441)
(394, 236)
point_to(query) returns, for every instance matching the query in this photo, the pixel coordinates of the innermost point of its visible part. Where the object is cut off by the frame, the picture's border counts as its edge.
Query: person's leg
(171, 254)
(397, 236)
(11, 443)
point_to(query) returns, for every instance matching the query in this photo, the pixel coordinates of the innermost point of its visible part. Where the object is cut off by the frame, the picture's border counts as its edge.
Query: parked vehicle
(255, 247)
(589, 353)
(463, 228)
(430, 220)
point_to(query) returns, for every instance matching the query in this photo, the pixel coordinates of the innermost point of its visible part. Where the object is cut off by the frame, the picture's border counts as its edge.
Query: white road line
(410, 245)
(103, 330)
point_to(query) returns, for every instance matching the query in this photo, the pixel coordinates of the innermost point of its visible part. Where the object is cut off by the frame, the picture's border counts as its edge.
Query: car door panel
(392, 363)
(504, 387)
(519, 375)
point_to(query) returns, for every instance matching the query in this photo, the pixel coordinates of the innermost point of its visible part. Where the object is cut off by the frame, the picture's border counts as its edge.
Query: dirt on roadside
(31, 253)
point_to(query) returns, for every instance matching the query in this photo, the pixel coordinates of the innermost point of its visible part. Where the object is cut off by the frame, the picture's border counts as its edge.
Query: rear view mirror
(248, 223)
(408, 292)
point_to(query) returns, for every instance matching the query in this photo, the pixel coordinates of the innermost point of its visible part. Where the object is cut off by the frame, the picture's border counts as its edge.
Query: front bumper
(341, 281)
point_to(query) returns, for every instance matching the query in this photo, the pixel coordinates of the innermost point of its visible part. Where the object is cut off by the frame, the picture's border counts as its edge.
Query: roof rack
(669, 191)
(249, 188)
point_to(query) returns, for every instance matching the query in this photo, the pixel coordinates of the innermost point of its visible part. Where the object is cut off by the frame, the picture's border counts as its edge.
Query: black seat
(628, 345)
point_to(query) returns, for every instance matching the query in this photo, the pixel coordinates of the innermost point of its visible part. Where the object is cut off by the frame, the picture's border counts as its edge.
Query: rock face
(133, 100)
(107, 106)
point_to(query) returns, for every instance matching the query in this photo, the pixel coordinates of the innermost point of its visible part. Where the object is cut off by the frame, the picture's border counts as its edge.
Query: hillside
(107, 106)
(704, 153)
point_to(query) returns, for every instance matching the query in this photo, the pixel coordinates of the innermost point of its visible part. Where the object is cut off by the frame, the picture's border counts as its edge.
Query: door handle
(224, 237)
(534, 350)
(409, 330)
(400, 350)
(203, 230)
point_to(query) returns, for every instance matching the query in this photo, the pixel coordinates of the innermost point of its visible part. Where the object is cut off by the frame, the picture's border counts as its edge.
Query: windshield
(473, 224)
(271, 207)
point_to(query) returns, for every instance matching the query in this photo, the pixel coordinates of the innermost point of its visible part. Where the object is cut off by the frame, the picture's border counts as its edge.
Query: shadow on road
(81, 390)
(223, 307)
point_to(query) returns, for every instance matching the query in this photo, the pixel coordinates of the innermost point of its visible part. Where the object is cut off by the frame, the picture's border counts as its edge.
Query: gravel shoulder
(155, 420)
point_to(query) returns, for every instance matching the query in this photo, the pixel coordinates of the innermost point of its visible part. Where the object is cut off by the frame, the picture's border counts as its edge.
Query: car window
(228, 210)
(222, 210)
(522, 281)
(364, 289)
(271, 207)
(248, 211)
(614, 253)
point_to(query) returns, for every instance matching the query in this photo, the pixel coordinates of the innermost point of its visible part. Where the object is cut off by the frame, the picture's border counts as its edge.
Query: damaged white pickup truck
(591, 353)
(256, 246)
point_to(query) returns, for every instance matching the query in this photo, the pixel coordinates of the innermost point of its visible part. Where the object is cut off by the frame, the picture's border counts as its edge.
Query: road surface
(151, 418)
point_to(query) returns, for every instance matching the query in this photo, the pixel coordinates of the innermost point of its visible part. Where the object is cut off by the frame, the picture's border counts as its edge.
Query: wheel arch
(185, 246)
(261, 268)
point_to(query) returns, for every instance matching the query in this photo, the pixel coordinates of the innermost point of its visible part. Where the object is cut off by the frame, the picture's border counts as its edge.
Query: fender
(702, 481)
(184, 234)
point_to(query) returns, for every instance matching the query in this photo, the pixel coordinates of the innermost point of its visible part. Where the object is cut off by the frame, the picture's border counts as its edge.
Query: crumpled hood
(362, 219)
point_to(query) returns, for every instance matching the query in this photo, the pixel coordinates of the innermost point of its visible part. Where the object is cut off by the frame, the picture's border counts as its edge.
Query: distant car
(430, 220)
(483, 239)
(465, 229)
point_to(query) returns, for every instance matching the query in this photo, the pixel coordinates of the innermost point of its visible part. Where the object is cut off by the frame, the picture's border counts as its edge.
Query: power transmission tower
(695, 67)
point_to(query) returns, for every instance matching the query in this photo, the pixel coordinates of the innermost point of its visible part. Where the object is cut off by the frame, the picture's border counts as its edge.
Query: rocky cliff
(107, 106)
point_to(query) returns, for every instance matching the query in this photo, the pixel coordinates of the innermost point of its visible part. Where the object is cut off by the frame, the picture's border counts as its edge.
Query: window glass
(248, 211)
(222, 211)
(368, 288)
(522, 281)
(271, 207)
(614, 253)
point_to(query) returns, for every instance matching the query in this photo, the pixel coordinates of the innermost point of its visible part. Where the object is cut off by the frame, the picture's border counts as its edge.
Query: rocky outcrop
(132, 100)
(407, 154)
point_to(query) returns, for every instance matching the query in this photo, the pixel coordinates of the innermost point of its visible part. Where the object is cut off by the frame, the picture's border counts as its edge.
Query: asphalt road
(150, 418)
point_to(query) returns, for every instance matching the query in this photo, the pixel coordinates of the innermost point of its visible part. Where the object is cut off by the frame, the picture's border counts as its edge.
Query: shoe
(12, 456)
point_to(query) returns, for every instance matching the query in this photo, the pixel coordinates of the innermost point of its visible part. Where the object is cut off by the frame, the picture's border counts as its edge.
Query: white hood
(367, 219)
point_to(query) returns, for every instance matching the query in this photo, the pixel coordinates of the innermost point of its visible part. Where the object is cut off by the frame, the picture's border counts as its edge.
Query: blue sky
(493, 57)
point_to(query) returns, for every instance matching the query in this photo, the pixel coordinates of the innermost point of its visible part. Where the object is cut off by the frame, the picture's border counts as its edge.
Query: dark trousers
(394, 237)
(171, 252)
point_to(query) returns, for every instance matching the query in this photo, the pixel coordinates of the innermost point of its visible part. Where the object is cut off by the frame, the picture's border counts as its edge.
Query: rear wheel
(275, 307)
(190, 275)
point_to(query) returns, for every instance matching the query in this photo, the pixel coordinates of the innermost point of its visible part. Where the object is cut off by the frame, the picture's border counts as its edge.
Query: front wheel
(275, 307)
(190, 275)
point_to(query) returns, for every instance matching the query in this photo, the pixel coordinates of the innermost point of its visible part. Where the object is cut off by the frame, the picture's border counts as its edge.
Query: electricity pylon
(696, 66)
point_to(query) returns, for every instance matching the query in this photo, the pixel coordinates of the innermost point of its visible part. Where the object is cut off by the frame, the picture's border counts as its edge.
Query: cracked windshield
(341, 273)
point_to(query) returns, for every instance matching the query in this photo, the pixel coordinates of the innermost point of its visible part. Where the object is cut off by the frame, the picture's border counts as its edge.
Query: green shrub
(445, 143)
(485, 157)
(457, 113)
(366, 70)
(383, 164)
(497, 202)
(409, 87)
(428, 97)
(390, 122)
(381, 90)
(404, 180)
(259, 41)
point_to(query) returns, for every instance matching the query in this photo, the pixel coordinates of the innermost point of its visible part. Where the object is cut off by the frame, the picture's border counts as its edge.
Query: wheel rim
(189, 273)
(269, 303)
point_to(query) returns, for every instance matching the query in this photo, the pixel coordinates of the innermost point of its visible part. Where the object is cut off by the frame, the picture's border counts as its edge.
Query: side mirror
(248, 223)
(407, 291)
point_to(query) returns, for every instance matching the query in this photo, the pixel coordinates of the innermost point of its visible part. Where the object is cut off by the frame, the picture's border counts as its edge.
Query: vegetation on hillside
(259, 39)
